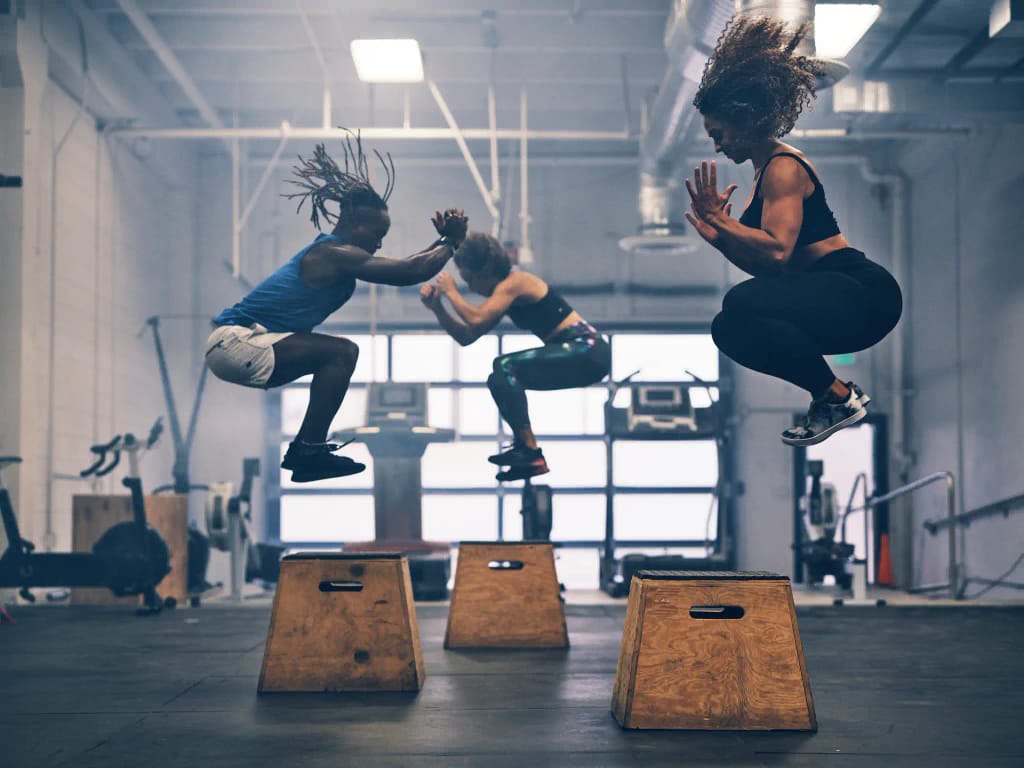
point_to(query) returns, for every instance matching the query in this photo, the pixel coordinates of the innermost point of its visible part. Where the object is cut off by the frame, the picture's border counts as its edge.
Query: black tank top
(541, 317)
(819, 223)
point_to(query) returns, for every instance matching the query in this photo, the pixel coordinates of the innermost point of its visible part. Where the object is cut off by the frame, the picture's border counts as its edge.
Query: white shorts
(242, 355)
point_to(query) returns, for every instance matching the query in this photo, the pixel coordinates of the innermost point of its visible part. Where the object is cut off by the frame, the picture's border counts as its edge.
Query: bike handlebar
(126, 442)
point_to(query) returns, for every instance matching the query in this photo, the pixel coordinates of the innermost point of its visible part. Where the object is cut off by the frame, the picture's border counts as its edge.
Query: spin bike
(130, 558)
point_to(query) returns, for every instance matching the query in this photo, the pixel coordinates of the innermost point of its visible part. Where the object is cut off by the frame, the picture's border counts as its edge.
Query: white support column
(466, 154)
(492, 116)
(267, 173)
(236, 195)
(525, 250)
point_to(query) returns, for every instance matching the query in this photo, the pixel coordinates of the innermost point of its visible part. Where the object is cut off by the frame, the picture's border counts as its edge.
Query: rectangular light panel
(388, 61)
(837, 28)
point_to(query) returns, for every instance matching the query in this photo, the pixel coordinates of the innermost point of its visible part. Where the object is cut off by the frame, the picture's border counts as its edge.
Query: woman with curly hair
(574, 354)
(812, 294)
(267, 339)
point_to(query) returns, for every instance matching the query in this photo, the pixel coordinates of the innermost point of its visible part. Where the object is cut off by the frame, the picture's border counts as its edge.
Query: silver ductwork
(795, 13)
(692, 30)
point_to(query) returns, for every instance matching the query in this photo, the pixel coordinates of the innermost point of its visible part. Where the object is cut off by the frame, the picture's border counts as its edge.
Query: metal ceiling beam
(902, 34)
(976, 45)
(370, 132)
(963, 99)
(145, 28)
(1012, 70)
(931, 73)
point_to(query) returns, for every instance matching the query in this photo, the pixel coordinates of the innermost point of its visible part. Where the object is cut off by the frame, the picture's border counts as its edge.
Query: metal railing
(954, 586)
(1003, 507)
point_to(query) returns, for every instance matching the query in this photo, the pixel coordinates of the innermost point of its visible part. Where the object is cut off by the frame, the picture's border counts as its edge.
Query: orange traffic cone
(884, 562)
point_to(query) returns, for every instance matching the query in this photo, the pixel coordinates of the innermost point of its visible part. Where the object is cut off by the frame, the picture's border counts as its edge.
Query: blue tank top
(285, 302)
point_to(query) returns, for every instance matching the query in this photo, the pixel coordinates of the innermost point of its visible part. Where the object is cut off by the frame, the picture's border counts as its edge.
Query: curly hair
(755, 80)
(323, 181)
(482, 254)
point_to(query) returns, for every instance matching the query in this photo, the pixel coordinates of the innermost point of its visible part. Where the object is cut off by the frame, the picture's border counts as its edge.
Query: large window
(659, 493)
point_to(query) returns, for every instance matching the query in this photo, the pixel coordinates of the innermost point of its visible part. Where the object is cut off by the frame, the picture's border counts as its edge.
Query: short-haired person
(573, 355)
(812, 294)
(267, 338)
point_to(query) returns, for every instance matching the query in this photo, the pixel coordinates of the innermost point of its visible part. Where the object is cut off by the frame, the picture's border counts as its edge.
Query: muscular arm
(766, 250)
(351, 261)
(479, 319)
(455, 328)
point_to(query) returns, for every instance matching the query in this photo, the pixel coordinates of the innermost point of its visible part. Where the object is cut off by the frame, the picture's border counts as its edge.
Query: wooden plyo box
(712, 650)
(343, 623)
(506, 595)
(91, 516)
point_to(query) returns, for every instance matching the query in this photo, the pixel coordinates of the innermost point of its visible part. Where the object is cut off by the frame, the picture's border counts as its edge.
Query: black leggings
(783, 325)
(576, 357)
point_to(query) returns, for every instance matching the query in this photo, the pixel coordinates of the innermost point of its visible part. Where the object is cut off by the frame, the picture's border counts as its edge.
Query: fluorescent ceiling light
(388, 61)
(837, 28)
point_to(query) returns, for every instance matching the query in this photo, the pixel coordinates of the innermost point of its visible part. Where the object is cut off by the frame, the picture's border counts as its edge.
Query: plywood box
(506, 595)
(93, 514)
(343, 623)
(712, 650)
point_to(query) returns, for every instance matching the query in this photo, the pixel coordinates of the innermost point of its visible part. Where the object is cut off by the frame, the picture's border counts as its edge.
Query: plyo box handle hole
(506, 565)
(341, 586)
(716, 612)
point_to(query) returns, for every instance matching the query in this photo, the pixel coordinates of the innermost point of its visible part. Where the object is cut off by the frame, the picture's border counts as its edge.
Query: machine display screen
(391, 396)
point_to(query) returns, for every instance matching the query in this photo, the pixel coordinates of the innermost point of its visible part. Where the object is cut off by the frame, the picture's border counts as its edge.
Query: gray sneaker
(860, 393)
(824, 419)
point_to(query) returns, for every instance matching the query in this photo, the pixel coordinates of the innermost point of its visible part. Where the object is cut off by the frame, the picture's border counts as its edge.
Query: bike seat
(6, 461)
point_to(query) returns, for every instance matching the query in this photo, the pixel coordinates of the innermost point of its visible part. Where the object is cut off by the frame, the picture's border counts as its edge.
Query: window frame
(721, 541)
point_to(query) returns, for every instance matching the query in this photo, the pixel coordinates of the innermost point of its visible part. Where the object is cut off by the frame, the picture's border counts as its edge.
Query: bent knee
(742, 297)
(346, 352)
(723, 330)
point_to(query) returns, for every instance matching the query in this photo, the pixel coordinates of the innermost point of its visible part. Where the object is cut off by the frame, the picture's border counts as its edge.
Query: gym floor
(893, 687)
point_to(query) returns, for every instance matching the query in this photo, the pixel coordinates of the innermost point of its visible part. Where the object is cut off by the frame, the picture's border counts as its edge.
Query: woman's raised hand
(453, 224)
(708, 202)
(430, 295)
(445, 283)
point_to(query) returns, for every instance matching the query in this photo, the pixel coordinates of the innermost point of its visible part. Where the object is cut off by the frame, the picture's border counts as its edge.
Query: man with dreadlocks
(812, 294)
(267, 338)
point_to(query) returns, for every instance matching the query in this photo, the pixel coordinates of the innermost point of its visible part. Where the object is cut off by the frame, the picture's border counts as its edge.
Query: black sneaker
(824, 419)
(516, 454)
(522, 471)
(316, 461)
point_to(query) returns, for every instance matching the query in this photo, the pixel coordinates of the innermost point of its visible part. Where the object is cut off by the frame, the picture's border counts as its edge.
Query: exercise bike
(130, 558)
(229, 529)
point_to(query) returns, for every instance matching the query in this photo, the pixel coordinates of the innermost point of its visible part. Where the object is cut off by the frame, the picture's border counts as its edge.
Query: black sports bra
(819, 222)
(541, 317)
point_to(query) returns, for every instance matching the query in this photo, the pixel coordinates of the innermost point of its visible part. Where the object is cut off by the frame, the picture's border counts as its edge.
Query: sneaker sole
(847, 422)
(502, 462)
(301, 477)
(510, 476)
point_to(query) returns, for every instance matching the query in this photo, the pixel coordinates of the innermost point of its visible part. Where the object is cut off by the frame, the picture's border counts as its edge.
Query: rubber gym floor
(893, 687)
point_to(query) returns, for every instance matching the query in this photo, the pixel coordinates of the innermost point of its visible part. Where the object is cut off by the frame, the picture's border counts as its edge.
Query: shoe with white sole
(825, 419)
(860, 393)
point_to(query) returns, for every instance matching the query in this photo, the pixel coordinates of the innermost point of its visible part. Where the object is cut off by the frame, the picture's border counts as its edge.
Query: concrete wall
(100, 238)
(968, 340)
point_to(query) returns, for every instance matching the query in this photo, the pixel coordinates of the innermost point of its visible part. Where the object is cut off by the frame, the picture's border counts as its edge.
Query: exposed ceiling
(582, 61)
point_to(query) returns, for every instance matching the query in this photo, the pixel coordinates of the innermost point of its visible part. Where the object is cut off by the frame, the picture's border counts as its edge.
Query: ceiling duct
(795, 13)
(690, 35)
(692, 30)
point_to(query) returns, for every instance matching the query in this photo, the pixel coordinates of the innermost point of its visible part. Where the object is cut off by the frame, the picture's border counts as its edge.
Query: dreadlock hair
(480, 253)
(322, 181)
(755, 80)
